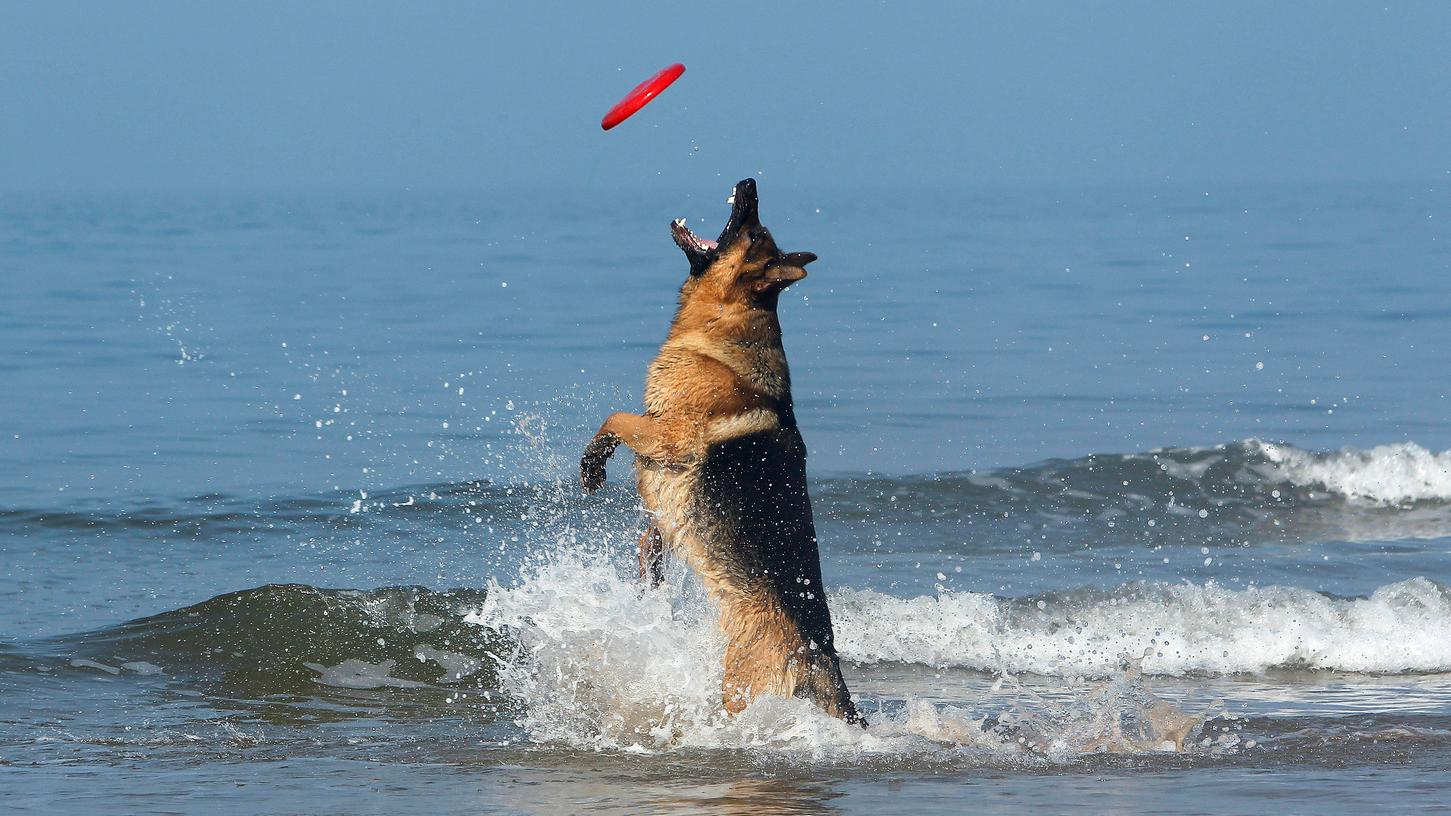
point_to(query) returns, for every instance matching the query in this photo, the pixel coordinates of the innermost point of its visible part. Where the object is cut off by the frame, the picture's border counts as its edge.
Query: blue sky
(312, 96)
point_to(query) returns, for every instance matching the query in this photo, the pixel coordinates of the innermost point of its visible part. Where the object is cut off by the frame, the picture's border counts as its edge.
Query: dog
(721, 466)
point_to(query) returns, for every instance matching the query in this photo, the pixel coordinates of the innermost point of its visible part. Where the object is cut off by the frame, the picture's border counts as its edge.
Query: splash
(1120, 715)
(599, 664)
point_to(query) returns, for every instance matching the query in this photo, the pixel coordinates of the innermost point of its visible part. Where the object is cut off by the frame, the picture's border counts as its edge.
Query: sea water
(1129, 499)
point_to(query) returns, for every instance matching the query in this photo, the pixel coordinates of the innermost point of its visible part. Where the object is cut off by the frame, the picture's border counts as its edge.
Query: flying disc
(641, 96)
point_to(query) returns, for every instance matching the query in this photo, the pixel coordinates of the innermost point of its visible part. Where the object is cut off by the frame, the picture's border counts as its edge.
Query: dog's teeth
(732, 200)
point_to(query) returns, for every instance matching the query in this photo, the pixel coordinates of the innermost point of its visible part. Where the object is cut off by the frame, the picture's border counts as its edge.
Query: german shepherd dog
(721, 466)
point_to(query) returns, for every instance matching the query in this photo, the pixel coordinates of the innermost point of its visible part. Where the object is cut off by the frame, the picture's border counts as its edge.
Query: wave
(1252, 471)
(1388, 474)
(582, 657)
(1175, 629)
(289, 638)
(1197, 494)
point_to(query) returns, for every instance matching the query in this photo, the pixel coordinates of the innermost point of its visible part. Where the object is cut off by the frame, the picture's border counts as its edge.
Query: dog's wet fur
(722, 467)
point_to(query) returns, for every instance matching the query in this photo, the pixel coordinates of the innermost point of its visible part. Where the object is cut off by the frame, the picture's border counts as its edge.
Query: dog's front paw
(592, 463)
(592, 472)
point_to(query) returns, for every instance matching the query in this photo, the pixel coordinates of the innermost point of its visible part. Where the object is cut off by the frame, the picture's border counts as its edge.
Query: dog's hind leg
(652, 556)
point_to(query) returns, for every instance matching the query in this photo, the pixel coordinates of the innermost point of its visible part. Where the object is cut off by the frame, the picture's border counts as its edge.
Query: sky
(466, 96)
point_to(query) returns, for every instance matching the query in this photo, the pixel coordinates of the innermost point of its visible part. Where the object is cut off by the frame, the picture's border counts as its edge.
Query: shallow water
(1059, 438)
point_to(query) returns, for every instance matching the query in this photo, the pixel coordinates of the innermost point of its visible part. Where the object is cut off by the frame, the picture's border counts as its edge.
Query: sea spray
(599, 663)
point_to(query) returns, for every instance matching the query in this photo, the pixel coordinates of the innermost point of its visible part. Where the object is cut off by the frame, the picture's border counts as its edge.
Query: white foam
(1184, 628)
(1387, 474)
(600, 664)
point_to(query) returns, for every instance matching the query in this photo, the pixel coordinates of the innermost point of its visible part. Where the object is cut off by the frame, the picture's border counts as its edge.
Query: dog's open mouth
(701, 251)
(689, 241)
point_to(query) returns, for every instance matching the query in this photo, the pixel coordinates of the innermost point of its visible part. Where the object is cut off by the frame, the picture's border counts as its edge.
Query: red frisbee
(641, 96)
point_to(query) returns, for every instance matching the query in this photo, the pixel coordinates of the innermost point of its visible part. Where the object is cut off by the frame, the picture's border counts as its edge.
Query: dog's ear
(790, 268)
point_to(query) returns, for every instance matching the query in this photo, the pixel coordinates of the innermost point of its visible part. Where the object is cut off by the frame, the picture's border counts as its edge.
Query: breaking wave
(575, 612)
(1177, 629)
(1387, 474)
(1227, 491)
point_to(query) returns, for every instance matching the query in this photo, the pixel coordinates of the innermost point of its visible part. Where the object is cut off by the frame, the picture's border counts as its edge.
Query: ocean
(1130, 499)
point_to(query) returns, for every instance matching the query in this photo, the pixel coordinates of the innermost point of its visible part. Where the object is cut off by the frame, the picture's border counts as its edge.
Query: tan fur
(721, 469)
